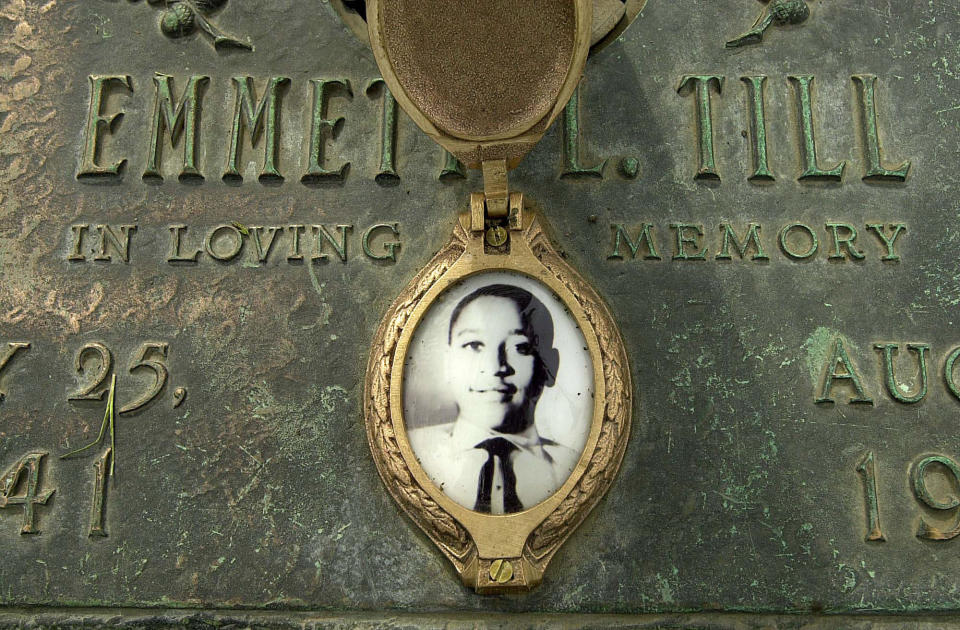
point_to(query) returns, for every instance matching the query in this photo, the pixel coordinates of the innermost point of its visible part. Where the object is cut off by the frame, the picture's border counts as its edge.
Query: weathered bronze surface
(772, 225)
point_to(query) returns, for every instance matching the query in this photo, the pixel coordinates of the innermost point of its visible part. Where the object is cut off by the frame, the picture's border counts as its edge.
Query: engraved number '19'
(920, 474)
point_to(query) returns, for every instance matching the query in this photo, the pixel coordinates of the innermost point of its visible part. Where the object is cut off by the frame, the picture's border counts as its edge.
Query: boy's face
(491, 361)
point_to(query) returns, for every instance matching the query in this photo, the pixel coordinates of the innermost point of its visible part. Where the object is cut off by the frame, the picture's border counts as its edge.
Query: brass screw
(496, 236)
(501, 571)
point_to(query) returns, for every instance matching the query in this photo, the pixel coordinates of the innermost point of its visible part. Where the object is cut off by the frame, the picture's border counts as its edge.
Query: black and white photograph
(498, 393)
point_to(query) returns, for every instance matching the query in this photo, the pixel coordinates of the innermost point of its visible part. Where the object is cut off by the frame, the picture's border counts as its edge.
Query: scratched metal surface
(737, 493)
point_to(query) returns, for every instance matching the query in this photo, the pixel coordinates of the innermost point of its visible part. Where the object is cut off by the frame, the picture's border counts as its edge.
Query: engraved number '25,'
(146, 351)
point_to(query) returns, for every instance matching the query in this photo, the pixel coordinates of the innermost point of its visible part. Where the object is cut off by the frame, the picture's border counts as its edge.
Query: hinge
(496, 207)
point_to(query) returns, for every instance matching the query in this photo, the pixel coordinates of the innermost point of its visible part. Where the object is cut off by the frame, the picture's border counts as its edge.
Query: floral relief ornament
(180, 18)
(778, 12)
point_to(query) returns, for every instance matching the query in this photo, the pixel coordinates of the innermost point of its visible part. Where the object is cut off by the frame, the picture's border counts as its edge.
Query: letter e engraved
(707, 168)
(321, 128)
(839, 367)
(7, 354)
(919, 479)
(689, 234)
(808, 142)
(99, 125)
(24, 477)
(867, 469)
(893, 388)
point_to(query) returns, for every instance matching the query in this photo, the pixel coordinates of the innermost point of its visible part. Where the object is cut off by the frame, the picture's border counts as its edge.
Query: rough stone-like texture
(737, 492)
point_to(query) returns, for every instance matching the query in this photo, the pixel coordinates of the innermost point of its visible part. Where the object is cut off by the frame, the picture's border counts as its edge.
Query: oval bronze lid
(485, 78)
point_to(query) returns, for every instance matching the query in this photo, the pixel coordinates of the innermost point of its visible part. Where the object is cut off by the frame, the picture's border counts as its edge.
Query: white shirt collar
(466, 436)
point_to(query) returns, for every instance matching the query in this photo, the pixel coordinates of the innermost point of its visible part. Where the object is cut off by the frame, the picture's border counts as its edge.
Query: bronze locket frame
(505, 552)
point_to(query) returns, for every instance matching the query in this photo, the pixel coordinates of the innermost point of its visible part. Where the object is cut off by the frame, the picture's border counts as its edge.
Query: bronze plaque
(208, 206)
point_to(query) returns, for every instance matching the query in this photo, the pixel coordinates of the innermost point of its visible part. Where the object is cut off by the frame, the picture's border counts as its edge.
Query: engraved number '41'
(24, 477)
(20, 486)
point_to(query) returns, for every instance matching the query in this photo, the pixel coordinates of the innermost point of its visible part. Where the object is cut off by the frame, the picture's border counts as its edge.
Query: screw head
(496, 236)
(501, 571)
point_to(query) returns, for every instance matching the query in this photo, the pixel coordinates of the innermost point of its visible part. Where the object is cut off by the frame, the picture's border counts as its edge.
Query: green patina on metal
(761, 167)
(388, 134)
(572, 165)
(246, 483)
(839, 367)
(452, 169)
(701, 91)
(875, 170)
(812, 169)
(896, 390)
(779, 12)
(752, 236)
(260, 119)
(321, 128)
(176, 117)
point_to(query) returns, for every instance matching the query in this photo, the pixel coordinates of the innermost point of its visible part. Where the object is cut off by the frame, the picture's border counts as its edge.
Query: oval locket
(498, 394)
